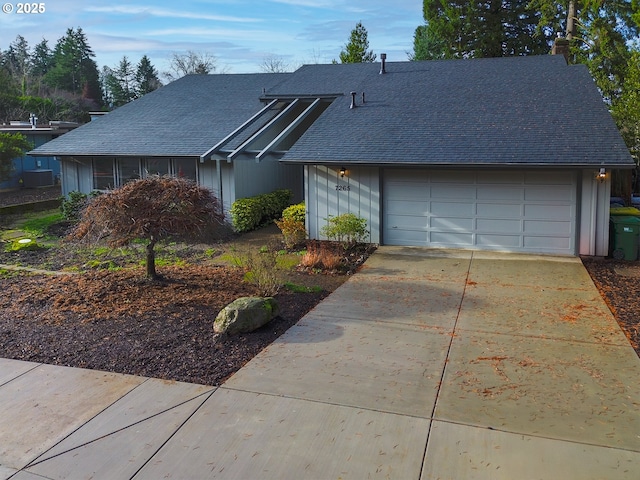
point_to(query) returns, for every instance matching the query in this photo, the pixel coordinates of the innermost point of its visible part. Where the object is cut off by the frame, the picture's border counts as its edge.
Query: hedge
(250, 213)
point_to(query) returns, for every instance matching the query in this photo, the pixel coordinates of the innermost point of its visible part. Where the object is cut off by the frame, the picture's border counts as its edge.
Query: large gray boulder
(245, 314)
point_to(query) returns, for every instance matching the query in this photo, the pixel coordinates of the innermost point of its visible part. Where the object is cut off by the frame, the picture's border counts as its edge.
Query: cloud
(165, 13)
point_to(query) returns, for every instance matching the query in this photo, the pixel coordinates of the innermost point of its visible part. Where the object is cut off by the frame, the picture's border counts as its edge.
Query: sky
(240, 34)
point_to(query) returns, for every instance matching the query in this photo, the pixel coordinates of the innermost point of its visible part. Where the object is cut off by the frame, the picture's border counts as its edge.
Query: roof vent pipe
(363, 98)
(383, 63)
(353, 100)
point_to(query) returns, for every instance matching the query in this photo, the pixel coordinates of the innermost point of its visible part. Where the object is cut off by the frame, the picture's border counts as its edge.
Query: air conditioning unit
(37, 178)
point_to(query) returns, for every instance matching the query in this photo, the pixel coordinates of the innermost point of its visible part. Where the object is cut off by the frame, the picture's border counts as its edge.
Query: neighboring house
(506, 154)
(31, 171)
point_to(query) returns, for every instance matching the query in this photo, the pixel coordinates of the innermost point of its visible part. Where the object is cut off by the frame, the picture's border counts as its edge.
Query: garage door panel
(452, 177)
(499, 178)
(409, 222)
(409, 191)
(545, 178)
(446, 209)
(525, 211)
(550, 229)
(452, 238)
(548, 194)
(547, 244)
(498, 225)
(501, 210)
(399, 207)
(547, 212)
(451, 223)
(497, 192)
(501, 241)
(407, 237)
(457, 192)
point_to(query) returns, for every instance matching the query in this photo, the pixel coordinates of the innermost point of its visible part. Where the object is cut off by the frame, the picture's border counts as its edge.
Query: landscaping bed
(619, 284)
(100, 312)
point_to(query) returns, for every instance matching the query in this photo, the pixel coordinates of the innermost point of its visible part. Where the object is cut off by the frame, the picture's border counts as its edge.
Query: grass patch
(102, 265)
(38, 225)
(287, 262)
(295, 288)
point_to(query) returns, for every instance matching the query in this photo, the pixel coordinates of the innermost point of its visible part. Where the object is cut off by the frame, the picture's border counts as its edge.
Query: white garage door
(530, 211)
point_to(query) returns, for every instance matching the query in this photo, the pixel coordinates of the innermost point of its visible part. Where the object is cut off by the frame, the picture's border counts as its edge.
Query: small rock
(245, 314)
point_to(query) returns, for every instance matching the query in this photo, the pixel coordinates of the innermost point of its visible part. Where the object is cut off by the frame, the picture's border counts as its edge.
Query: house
(171, 131)
(506, 154)
(31, 171)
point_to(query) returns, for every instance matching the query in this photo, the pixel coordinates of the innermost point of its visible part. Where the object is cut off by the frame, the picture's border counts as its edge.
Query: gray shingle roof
(504, 111)
(184, 118)
(524, 110)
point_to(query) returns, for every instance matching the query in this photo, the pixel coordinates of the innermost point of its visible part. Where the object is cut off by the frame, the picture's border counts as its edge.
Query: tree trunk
(571, 16)
(151, 261)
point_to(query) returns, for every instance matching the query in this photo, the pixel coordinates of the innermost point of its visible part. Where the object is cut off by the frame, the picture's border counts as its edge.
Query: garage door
(530, 211)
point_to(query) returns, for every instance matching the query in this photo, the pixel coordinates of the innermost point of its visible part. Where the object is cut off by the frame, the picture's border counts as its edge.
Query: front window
(157, 166)
(103, 177)
(128, 169)
(185, 168)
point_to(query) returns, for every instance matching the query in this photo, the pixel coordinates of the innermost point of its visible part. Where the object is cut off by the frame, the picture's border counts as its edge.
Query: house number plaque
(343, 188)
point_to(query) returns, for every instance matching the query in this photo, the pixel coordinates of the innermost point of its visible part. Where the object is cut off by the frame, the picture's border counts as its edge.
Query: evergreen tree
(41, 59)
(18, 62)
(355, 51)
(492, 28)
(120, 82)
(9, 93)
(146, 77)
(74, 69)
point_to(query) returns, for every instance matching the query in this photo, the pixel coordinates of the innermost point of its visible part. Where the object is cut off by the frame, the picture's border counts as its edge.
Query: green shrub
(74, 203)
(261, 270)
(250, 213)
(347, 228)
(294, 231)
(295, 212)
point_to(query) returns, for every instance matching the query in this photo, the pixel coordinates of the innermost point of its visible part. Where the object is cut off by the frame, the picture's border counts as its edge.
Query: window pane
(103, 174)
(158, 166)
(128, 169)
(185, 168)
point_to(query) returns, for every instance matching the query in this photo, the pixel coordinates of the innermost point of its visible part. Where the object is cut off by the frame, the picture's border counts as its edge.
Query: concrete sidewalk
(425, 365)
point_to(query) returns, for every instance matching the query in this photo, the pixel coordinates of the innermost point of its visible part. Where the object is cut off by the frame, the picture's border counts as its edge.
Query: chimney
(383, 63)
(561, 47)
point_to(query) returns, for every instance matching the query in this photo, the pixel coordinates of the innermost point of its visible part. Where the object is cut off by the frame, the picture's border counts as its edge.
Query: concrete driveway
(425, 365)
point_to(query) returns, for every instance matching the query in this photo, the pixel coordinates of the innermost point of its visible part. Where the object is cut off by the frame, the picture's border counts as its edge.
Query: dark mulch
(121, 322)
(619, 284)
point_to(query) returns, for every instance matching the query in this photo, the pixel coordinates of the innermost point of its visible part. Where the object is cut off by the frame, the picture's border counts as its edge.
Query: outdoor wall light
(602, 175)
(343, 172)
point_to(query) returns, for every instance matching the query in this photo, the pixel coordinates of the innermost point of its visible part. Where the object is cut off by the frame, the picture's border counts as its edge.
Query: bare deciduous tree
(190, 63)
(153, 209)
(274, 64)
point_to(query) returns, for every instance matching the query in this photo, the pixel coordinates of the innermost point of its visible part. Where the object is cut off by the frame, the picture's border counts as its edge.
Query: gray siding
(594, 215)
(253, 178)
(359, 194)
